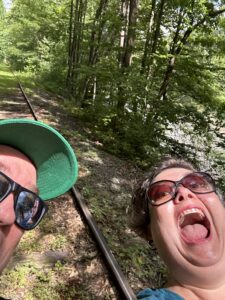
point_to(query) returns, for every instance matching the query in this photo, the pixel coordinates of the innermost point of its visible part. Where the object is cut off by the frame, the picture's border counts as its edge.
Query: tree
(77, 19)
(179, 41)
(2, 42)
(135, 68)
(95, 43)
(129, 10)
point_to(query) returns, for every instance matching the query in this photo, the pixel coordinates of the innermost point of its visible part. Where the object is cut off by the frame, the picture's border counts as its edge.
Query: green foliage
(31, 27)
(2, 31)
(2, 10)
(8, 82)
(121, 101)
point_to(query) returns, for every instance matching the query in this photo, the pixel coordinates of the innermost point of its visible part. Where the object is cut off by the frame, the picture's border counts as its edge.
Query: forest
(146, 75)
(146, 78)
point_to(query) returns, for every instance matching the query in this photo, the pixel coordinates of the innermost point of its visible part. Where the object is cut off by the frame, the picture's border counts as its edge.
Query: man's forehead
(10, 151)
(4, 152)
(18, 167)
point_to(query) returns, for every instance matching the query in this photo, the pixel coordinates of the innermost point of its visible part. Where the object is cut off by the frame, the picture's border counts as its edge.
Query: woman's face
(189, 231)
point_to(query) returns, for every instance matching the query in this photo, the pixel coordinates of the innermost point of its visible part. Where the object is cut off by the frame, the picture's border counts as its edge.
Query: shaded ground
(106, 183)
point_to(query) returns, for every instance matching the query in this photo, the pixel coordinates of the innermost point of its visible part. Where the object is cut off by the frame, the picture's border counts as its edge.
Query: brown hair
(140, 214)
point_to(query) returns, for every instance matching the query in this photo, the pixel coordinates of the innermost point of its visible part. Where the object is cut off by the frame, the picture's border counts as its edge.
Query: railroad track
(27, 110)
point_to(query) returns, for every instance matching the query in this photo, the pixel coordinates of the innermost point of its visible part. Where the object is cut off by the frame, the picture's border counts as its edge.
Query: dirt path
(106, 183)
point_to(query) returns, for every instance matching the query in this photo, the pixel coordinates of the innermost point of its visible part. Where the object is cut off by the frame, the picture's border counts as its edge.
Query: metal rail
(120, 279)
(28, 102)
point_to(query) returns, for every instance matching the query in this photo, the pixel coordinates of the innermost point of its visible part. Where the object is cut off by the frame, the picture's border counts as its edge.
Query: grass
(26, 80)
(36, 283)
(8, 82)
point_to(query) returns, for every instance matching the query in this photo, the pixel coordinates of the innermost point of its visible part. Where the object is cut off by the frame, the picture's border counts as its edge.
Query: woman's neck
(196, 293)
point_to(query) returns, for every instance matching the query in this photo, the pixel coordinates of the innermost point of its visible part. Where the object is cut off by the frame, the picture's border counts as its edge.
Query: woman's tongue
(194, 233)
(193, 228)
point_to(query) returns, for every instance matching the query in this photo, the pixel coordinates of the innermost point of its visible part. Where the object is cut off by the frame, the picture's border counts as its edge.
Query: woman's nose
(183, 193)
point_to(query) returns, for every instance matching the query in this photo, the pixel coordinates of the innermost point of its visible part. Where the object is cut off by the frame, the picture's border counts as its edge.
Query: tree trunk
(158, 24)
(97, 28)
(124, 13)
(144, 62)
(76, 34)
(70, 43)
(156, 36)
(177, 48)
(89, 86)
(126, 58)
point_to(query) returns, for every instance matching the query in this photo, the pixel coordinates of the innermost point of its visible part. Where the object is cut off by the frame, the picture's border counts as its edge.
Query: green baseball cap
(54, 158)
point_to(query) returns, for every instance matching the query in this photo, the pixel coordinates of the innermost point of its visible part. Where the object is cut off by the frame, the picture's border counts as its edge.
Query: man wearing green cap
(36, 164)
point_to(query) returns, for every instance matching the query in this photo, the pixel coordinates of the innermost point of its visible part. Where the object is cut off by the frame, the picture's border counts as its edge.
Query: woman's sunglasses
(29, 207)
(163, 191)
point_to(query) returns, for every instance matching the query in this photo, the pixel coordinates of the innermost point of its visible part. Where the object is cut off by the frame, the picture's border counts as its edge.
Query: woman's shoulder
(158, 294)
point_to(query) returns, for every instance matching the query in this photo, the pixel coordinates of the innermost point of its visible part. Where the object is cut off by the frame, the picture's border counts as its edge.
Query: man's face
(189, 231)
(19, 168)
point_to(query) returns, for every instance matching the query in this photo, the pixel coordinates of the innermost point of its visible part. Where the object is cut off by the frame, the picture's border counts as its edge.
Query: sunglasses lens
(29, 210)
(199, 183)
(4, 186)
(161, 192)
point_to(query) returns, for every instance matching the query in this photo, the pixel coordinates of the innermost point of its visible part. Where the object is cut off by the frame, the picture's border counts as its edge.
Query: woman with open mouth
(180, 209)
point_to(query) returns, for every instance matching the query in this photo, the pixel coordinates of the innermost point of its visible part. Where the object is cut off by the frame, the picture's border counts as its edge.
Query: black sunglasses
(29, 207)
(163, 191)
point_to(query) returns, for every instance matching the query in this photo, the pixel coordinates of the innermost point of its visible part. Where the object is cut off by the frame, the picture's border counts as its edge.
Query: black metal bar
(119, 277)
(25, 96)
(121, 280)
(28, 103)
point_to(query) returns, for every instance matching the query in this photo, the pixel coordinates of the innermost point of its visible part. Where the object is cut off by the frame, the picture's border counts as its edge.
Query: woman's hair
(140, 214)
